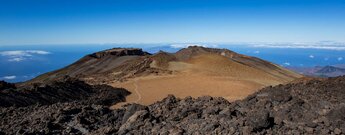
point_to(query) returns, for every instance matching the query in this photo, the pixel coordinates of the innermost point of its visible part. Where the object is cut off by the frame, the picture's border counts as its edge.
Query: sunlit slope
(193, 71)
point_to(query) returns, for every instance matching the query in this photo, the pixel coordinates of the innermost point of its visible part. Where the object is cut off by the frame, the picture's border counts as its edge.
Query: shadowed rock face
(120, 52)
(309, 107)
(4, 85)
(65, 90)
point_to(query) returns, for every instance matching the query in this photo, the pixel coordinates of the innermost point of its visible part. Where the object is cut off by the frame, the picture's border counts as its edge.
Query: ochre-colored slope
(152, 89)
(205, 74)
(217, 65)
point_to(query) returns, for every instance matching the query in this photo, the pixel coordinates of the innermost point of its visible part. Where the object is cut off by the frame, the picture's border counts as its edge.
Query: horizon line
(156, 43)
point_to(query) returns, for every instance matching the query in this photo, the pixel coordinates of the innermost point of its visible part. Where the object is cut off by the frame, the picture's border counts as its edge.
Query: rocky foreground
(310, 107)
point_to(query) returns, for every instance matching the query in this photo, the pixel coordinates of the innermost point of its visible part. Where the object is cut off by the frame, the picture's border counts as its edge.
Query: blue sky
(155, 21)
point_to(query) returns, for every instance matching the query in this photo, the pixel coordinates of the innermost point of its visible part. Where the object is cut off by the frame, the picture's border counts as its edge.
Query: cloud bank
(187, 45)
(9, 77)
(256, 52)
(326, 45)
(20, 55)
(287, 63)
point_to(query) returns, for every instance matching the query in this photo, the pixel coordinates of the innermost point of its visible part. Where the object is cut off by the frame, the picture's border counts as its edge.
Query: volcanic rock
(120, 52)
(5, 85)
(64, 90)
(313, 107)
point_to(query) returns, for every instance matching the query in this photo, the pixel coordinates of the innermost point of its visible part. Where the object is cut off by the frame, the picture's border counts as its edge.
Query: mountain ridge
(321, 71)
(200, 67)
(111, 59)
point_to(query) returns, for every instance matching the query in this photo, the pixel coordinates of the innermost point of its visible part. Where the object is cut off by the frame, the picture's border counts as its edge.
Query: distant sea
(24, 62)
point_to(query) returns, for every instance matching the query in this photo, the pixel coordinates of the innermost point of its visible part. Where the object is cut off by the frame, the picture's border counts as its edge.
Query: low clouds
(20, 55)
(187, 45)
(23, 53)
(339, 58)
(17, 59)
(311, 56)
(325, 45)
(256, 52)
(9, 77)
(287, 64)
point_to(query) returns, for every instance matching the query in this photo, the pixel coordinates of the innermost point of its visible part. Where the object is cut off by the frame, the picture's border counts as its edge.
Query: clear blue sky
(154, 21)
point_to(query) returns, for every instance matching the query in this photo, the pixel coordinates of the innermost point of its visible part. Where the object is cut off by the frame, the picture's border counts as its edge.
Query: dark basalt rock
(120, 52)
(65, 90)
(315, 107)
(260, 120)
(5, 85)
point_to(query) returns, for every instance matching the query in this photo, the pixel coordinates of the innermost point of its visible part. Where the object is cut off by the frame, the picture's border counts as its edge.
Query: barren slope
(193, 71)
